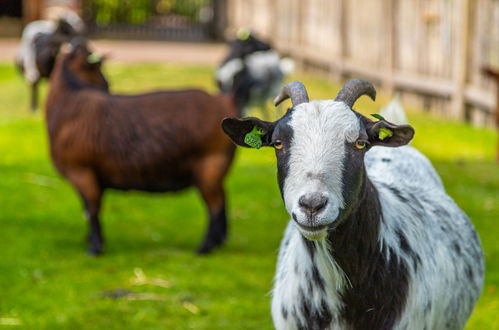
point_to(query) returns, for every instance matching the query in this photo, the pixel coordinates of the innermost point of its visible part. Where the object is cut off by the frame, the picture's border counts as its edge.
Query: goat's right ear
(249, 132)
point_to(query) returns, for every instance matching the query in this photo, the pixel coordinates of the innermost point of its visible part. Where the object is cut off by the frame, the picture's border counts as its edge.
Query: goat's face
(85, 66)
(320, 148)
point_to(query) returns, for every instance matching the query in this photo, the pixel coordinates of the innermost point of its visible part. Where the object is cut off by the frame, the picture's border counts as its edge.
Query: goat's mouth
(313, 233)
(311, 227)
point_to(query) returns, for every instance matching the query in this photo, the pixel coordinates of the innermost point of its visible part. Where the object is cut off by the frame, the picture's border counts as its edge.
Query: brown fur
(157, 142)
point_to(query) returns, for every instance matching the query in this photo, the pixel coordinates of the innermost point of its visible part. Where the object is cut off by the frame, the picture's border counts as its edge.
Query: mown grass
(48, 282)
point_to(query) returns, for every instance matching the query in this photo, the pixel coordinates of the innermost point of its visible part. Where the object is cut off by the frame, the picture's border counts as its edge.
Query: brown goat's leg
(217, 226)
(210, 184)
(91, 194)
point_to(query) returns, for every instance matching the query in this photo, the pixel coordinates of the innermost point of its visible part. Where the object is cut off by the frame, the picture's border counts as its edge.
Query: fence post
(220, 22)
(460, 63)
(344, 51)
(32, 10)
(390, 8)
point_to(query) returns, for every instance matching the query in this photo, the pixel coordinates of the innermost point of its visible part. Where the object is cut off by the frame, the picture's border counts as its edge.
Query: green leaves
(378, 116)
(254, 138)
(383, 133)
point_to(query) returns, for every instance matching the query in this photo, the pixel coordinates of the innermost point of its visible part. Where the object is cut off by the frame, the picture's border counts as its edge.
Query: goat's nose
(313, 202)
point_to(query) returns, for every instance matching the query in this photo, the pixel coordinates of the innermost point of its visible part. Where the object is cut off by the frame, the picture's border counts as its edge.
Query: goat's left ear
(384, 133)
(249, 132)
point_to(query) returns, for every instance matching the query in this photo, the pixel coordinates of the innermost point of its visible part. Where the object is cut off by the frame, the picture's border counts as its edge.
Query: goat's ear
(384, 133)
(63, 27)
(249, 132)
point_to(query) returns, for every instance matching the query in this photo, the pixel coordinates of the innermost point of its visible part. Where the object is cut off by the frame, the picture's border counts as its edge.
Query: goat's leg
(91, 194)
(34, 96)
(210, 184)
(217, 226)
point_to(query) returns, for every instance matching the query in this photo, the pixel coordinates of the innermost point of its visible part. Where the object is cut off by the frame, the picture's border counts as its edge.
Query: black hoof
(95, 250)
(211, 243)
(206, 248)
(94, 253)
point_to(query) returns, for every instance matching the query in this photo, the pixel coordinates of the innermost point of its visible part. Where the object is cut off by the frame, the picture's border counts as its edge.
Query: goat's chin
(314, 235)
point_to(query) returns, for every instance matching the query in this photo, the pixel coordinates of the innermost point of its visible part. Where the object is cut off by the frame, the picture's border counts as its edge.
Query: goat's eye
(278, 144)
(360, 144)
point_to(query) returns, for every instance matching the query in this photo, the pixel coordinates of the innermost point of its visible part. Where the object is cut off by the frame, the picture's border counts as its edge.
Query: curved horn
(354, 89)
(294, 90)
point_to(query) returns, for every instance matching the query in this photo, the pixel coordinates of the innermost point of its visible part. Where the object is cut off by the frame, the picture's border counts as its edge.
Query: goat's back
(148, 142)
(441, 248)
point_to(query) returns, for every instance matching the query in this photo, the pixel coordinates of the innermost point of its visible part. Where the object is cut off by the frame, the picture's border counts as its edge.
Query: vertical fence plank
(390, 8)
(460, 61)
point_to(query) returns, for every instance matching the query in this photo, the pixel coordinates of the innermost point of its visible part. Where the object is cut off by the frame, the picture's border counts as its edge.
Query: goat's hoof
(94, 252)
(206, 248)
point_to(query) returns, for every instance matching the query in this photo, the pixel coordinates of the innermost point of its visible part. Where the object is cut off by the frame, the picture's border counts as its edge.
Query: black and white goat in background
(257, 60)
(374, 241)
(40, 44)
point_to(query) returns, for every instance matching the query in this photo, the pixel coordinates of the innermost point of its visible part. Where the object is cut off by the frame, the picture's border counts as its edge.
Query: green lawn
(48, 282)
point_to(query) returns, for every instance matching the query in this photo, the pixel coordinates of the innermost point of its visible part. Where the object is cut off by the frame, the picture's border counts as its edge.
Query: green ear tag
(384, 133)
(94, 58)
(254, 138)
(243, 34)
(377, 116)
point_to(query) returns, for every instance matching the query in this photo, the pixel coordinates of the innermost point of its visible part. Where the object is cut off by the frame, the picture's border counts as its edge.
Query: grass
(48, 282)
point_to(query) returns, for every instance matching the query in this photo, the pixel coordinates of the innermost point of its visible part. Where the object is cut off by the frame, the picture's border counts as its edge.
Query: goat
(40, 44)
(374, 241)
(163, 141)
(258, 60)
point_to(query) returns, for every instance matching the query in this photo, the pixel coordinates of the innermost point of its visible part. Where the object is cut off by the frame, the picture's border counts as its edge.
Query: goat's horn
(354, 89)
(294, 90)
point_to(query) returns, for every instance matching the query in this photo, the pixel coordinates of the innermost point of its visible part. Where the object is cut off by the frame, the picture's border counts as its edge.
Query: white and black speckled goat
(374, 241)
(40, 44)
(256, 61)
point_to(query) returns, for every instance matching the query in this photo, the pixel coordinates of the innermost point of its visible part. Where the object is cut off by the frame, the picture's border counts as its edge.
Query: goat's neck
(355, 241)
(315, 278)
(59, 81)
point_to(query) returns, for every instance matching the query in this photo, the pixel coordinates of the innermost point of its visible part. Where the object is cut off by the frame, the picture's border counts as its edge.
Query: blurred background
(437, 56)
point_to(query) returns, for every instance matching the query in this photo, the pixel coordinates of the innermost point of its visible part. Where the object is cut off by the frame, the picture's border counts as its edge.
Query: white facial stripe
(320, 129)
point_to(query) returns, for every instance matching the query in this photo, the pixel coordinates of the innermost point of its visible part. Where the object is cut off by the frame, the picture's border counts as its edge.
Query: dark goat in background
(255, 59)
(157, 142)
(40, 44)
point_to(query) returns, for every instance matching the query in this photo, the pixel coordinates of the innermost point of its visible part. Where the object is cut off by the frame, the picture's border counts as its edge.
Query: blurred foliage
(48, 282)
(105, 12)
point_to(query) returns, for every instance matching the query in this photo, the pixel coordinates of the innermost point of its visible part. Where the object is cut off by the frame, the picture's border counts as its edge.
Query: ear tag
(383, 133)
(243, 34)
(378, 116)
(254, 138)
(94, 58)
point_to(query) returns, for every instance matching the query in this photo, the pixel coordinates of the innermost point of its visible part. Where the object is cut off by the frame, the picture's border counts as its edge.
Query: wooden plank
(390, 7)
(460, 69)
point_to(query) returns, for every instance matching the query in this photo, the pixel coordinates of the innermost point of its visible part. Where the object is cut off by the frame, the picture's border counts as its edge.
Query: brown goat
(156, 142)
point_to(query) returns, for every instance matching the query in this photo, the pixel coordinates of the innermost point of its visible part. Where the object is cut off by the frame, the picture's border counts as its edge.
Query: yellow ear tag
(383, 133)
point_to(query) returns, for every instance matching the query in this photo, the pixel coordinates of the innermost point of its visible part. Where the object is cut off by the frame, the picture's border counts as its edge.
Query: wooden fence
(431, 51)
